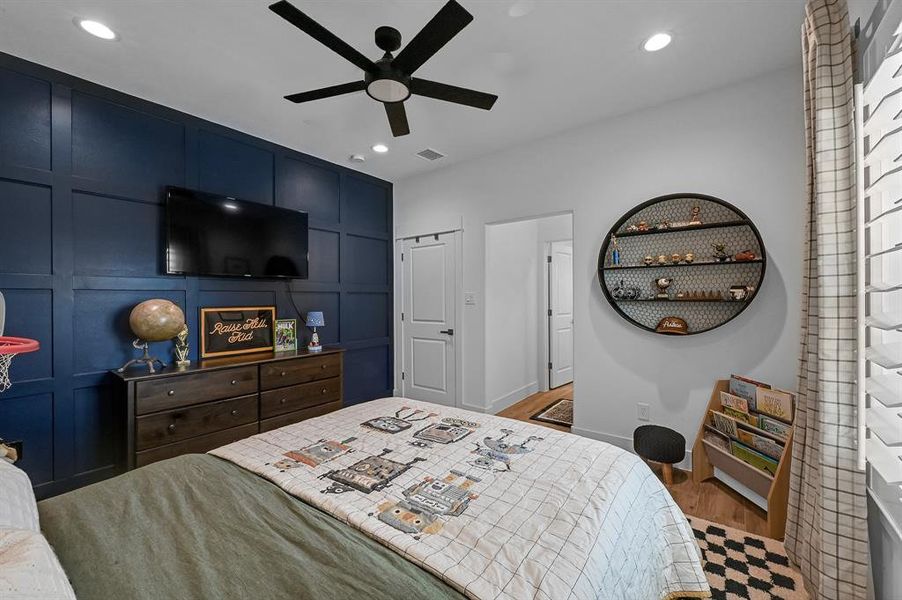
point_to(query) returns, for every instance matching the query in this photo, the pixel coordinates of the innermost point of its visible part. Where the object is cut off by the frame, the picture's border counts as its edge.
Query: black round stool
(661, 445)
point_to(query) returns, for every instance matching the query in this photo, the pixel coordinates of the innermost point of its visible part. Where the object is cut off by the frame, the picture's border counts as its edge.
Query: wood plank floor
(527, 407)
(711, 500)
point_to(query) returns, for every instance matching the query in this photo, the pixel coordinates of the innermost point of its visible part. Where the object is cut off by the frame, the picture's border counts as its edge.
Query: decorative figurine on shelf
(181, 349)
(689, 258)
(315, 319)
(696, 211)
(632, 227)
(663, 283)
(615, 252)
(642, 226)
(662, 260)
(741, 292)
(662, 225)
(745, 256)
(676, 258)
(720, 252)
(693, 220)
(681, 296)
(649, 260)
(621, 292)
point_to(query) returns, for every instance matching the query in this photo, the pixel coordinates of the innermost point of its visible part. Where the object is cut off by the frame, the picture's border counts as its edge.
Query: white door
(428, 320)
(560, 318)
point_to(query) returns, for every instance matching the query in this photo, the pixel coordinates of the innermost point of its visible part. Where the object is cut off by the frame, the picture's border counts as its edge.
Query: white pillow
(29, 570)
(18, 509)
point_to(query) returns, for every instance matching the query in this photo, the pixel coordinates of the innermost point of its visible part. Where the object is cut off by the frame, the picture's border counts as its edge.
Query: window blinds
(880, 275)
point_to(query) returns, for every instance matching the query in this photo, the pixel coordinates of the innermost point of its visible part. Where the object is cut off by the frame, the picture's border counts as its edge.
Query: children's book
(771, 425)
(717, 439)
(724, 424)
(754, 458)
(762, 444)
(728, 400)
(775, 403)
(743, 417)
(746, 388)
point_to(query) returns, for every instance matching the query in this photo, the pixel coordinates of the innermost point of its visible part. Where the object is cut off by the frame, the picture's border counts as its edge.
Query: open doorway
(529, 312)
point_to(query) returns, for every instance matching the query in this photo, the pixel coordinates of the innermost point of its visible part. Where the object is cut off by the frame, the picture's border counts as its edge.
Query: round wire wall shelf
(690, 256)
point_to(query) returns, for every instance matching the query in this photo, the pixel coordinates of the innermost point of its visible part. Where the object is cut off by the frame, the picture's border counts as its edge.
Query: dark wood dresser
(215, 402)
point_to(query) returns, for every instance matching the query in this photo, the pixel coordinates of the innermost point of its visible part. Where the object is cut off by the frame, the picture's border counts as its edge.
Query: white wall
(743, 143)
(511, 305)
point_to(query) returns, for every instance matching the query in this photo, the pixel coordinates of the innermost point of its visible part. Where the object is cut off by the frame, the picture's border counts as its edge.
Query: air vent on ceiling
(430, 154)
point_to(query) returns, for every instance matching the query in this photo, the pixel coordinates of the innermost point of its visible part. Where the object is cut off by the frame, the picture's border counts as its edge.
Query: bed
(389, 499)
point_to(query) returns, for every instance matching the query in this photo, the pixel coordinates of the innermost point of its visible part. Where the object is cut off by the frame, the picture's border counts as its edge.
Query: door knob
(447, 331)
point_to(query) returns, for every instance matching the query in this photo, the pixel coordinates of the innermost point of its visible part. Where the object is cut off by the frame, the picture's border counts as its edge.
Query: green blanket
(198, 527)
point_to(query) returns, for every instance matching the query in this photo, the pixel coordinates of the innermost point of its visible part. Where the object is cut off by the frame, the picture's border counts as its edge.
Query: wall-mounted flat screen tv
(220, 236)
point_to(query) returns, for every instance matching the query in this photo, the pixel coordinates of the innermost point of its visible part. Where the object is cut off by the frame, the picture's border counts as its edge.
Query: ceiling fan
(389, 79)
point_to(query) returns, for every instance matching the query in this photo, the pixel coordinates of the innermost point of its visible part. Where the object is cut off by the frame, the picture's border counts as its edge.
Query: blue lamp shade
(315, 319)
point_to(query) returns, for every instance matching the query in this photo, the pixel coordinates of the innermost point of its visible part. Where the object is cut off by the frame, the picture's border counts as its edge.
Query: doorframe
(544, 378)
(400, 238)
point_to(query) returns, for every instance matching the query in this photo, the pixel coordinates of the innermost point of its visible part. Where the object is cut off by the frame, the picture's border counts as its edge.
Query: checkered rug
(559, 412)
(742, 566)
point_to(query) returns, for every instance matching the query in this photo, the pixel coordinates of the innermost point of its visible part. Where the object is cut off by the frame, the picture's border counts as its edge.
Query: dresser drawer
(295, 397)
(175, 392)
(299, 415)
(201, 443)
(180, 424)
(291, 372)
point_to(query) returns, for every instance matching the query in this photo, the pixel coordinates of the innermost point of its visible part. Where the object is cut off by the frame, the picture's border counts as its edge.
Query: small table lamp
(315, 319)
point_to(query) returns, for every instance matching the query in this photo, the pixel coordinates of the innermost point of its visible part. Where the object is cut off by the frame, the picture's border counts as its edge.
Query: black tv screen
(215, 235)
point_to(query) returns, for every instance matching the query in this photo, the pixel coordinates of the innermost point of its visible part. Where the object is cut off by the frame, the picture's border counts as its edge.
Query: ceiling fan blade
(397, 118)
(446, 23)
(325, 37)
(451, 93)
(328, 92)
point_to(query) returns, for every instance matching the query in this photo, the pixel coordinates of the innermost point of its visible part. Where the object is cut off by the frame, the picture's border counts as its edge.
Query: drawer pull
(234, 382)
(322, 366)
(283, 374)
(324, 390)
(234, 413)
(171, 428)
(283, 400)
(170, 393)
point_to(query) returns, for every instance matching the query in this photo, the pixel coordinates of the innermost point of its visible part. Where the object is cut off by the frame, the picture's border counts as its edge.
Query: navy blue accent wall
(82, 169)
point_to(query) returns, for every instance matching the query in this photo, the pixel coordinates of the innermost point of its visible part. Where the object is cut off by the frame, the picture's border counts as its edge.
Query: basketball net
(10, 347)
(5, 362)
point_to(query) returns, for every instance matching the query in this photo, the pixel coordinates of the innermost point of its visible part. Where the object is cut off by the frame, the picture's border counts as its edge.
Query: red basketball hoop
(9, 348)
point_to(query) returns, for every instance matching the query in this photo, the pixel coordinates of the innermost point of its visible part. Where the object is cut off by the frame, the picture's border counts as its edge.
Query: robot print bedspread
(496, 508)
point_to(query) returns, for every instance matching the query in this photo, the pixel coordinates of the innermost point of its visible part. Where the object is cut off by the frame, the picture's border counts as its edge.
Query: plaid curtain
(826, 529)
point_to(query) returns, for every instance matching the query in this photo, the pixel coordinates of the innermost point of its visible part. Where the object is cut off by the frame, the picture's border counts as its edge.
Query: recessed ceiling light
(380, 148)
(358, 158)
(658, 41)
(521, 8)
(96, 28)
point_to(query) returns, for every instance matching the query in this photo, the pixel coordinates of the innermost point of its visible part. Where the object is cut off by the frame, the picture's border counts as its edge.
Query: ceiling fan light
(658, 41)
(387, 90)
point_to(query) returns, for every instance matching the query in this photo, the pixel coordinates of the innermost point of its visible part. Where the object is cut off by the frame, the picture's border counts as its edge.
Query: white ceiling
(564, 64)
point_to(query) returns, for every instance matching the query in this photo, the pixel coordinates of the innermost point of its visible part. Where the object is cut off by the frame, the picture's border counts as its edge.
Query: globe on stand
(154, 320)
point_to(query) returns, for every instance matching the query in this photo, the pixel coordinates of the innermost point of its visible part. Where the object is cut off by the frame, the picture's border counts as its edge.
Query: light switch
(469, 299)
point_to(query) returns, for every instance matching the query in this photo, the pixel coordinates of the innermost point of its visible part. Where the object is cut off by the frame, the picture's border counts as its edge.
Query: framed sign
(286, 335)
(233, 330)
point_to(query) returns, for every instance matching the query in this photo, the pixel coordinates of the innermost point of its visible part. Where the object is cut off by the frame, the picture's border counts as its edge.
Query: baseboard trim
(499, 404)
(625, 443)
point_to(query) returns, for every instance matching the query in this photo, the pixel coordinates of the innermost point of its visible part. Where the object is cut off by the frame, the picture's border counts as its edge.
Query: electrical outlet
(643, 411)
(470, 299)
